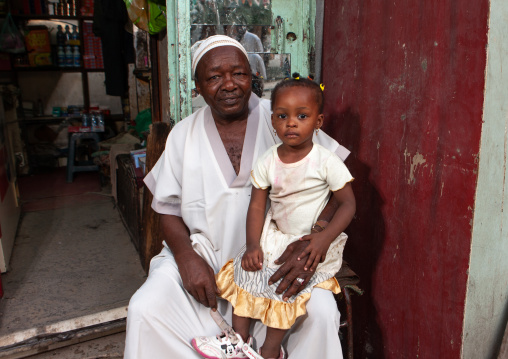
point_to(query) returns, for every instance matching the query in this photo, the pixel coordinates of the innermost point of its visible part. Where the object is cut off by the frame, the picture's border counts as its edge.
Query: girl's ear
(319, 121)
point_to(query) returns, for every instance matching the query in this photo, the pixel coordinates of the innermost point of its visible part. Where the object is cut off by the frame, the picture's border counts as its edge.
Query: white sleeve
(164, 180)
(330, 144)
(259, 175)
(337, 174)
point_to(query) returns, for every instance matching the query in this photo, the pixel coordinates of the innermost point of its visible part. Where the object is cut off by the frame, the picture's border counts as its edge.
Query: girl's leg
(273, 340)
(241, 325)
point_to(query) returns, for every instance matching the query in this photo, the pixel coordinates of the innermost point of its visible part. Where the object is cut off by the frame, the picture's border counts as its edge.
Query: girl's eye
(282, 116)
(302, 116)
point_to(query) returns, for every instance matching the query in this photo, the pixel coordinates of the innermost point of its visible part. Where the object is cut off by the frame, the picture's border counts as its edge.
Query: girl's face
(295, 116)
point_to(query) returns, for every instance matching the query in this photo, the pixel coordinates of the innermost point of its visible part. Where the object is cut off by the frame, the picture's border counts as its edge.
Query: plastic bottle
(69, 56)
(76, 57)
(94, 121)
(85, 120)
(61, 56)
(75, 36)
(68, 35)
(60, 36)
(73, 8)
(100, 121)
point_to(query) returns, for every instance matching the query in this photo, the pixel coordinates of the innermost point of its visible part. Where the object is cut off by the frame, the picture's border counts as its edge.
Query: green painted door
(279, 36)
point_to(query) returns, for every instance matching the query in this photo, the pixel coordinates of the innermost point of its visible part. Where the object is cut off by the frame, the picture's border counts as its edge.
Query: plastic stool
(72, 165)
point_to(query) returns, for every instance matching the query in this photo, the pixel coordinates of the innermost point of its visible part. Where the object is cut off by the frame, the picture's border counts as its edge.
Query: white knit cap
(200, 48)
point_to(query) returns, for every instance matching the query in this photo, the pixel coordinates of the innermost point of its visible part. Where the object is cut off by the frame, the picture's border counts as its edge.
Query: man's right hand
(197, 276)
(198, 279)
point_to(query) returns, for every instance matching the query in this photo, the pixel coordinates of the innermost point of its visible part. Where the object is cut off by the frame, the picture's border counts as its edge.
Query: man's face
(224, 80)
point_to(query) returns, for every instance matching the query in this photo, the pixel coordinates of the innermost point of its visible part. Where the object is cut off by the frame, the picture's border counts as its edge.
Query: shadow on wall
(501, 347)
(366, 234)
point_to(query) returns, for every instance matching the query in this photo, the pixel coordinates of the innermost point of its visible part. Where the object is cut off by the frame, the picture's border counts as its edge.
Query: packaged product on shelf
(38, 46)
(87, 7)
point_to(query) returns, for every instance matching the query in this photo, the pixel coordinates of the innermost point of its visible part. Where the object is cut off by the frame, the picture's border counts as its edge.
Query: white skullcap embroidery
(200, 48)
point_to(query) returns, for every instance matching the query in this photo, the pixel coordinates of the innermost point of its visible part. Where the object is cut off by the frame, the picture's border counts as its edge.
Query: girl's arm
(320, 242)
(253, 258)
(326, 215)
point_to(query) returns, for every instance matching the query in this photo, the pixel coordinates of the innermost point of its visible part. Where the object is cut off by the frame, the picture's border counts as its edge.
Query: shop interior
(78, 84)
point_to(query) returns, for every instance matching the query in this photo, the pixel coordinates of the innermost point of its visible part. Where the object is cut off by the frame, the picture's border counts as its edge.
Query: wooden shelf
(55, 68)
(41, 120)
(23, 17)
(50, 17)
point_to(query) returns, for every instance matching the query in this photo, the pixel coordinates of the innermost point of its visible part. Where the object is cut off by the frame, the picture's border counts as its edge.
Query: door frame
(298, 19)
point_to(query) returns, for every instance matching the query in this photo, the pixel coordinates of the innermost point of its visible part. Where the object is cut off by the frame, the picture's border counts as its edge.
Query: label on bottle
(69, 58)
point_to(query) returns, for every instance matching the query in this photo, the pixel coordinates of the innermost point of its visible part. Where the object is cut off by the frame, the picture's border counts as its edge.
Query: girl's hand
(252, 259)
(316, 250)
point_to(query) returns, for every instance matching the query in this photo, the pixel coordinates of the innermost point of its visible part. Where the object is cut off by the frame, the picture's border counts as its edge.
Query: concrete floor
(110, 346)
(70, 262)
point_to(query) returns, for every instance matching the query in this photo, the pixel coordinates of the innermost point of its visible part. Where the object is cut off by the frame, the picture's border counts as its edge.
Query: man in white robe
(202, 188)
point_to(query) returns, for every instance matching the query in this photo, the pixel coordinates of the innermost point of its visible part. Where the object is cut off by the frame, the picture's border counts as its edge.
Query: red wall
(404, 91)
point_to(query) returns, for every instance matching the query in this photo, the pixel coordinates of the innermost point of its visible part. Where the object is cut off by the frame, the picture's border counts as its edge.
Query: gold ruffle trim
(272, 313)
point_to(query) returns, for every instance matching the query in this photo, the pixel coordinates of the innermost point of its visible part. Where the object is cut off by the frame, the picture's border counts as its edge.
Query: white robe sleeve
(330, 144)
(164, 180)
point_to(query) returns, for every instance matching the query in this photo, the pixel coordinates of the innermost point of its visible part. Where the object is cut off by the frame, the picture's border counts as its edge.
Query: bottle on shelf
(60, 36)
(85, 120)
(59, 9)
(69, 56)
(94, 121)
(61, 56)
(68, 35)
(67, 8)
(100, 122)
(76, 57)
(51, 8)
(73, 8)
(75, 37)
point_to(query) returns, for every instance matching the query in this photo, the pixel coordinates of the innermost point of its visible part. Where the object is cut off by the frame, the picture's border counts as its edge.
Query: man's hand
(292, 270)
(252, 259)
(198, 279)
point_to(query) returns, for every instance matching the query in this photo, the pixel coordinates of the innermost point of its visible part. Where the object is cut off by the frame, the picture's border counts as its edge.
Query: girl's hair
(298, 81)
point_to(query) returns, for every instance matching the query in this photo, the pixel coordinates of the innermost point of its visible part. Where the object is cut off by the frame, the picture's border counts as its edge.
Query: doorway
(279, 41)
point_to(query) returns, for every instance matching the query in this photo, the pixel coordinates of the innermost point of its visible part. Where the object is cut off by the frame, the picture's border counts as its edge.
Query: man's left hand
(292, 270)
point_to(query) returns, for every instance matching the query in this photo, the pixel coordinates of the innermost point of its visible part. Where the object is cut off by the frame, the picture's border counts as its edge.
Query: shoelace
(224, 335)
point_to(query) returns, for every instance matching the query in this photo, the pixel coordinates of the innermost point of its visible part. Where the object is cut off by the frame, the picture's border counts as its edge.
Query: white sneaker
(223, 346)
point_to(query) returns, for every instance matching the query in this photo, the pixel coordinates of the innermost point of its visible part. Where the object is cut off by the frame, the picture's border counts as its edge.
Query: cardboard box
(38, 46)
